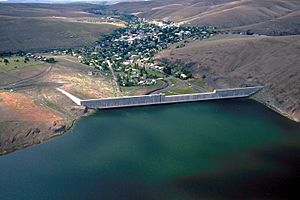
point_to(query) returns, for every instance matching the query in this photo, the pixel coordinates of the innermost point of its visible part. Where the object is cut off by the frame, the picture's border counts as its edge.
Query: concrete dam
(157, 99)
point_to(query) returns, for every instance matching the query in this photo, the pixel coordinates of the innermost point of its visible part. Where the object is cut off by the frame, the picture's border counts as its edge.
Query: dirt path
(114, 77)
(23, 81)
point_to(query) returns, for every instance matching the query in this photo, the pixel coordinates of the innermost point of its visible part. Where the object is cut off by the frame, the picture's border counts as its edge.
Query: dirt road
(118, 91)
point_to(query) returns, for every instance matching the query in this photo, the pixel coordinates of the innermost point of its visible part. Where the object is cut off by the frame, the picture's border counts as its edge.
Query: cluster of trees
(177, 68)
(168, 70)
(6, 61)
(26, 60)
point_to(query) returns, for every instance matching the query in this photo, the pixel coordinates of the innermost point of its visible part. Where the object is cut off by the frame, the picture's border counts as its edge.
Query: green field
(202, 84)
(198, 82)
(173, 81)
(17, 62)
(155, 73)
(140, 90)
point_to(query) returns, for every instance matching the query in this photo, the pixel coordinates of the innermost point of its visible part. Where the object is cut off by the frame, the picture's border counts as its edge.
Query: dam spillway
(158, 99)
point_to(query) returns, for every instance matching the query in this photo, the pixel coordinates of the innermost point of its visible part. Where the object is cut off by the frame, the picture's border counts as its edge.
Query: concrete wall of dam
(162, 99)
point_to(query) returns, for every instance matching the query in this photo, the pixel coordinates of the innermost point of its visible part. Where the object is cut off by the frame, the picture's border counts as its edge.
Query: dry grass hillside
(272, 17)
(232, 61)
(33, 110)
(26, 27)
(44, 10)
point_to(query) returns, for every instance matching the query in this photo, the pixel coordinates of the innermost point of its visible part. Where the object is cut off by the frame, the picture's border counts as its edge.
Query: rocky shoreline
(277, 110)
(40, 136)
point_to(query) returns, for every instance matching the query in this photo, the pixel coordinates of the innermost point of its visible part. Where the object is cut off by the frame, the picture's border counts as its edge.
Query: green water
(235, 149)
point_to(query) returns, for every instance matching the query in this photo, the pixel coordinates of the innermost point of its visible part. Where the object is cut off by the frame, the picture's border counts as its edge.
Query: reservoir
(232, 149)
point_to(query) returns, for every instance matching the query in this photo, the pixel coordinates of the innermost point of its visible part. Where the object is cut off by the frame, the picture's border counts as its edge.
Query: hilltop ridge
(270, 17)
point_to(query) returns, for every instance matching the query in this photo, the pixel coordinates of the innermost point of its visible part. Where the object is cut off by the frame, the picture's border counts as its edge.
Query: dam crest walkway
(158, 99)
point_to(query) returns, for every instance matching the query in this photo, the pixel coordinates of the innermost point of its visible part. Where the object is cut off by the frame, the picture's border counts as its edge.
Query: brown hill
(26, 27)
(232, 61)
(272, 17)
(43, 10)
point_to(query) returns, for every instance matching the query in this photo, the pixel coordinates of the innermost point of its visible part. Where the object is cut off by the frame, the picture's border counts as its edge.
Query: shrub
(51, 60)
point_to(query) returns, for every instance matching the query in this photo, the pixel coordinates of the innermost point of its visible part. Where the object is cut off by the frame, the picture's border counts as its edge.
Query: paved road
(199, 88)
(180, 83)
(160, 89)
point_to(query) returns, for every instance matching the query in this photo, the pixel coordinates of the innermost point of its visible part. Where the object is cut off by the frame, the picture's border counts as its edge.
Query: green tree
(6, 61)
(167, 70)
(51, 60)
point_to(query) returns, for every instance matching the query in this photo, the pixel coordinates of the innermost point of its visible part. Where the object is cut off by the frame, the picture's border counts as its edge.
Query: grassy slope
(34, 34)
(16, 71)
(17, 63)
(39, 106)
(44, 10)
(239, 61)
(26, 27)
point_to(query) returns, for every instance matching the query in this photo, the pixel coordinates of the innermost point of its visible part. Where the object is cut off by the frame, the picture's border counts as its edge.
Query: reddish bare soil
(36, 111)
(26, 109)
(23, 122)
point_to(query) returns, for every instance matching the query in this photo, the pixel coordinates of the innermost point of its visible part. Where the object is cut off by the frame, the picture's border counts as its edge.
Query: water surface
(234, 149)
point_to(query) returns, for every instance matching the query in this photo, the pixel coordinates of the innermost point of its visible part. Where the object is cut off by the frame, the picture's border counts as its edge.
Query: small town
(128, 53)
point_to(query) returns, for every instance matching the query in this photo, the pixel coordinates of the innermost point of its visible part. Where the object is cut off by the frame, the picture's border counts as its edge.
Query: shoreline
(94, 111)
(276, 110)
(50, 136)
